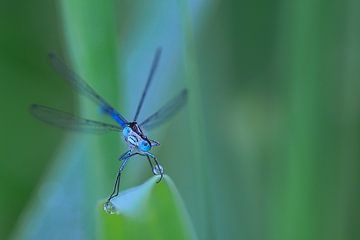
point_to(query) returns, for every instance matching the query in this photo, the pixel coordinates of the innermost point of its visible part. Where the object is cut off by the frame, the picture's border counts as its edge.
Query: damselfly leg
(115, 191)
(157, 169)
(126, 154)
(124, 157)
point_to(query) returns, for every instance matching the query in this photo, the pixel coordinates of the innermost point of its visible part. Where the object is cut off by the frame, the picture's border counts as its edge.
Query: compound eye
(144, 146)
(126, 131)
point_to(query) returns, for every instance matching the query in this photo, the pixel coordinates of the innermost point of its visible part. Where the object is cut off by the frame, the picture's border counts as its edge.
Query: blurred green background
(268, 146)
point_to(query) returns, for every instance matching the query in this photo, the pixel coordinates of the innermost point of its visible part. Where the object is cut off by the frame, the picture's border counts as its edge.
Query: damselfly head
(134, 136)
(126, 131)
(144, 145)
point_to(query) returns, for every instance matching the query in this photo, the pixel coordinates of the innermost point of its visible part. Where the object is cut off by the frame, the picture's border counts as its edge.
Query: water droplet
(109, 207)
(158, 169)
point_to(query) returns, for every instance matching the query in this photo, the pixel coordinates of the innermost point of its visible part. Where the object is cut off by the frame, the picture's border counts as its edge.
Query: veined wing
(166, 112)
(79, 84)
(154, 64)
(69, 121)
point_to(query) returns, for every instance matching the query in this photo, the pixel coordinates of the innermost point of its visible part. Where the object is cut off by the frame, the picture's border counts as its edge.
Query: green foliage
(267, 148)
(149, 211)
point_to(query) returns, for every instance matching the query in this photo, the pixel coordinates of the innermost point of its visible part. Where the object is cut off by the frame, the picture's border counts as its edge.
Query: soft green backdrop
(268, 146)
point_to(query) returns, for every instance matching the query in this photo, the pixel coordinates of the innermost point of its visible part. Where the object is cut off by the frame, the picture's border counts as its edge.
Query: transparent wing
(69, 121)
(148, 81)
(166, 112)
(79, 84)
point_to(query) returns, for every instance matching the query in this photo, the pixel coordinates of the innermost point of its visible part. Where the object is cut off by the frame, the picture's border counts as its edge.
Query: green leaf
(149, 211)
